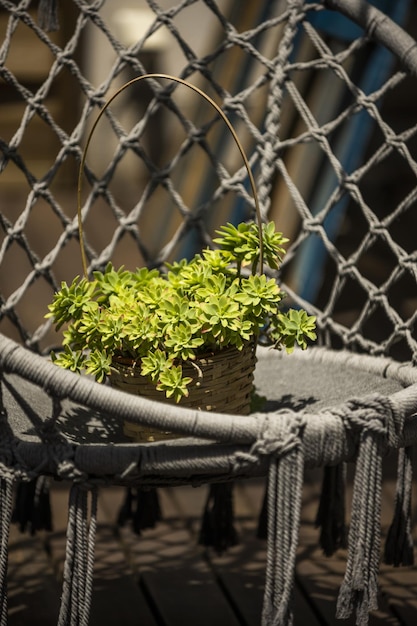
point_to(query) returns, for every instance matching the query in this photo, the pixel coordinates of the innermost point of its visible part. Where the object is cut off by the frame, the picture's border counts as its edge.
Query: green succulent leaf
(181, 341)
(155, 363)
(70, 301)
(163, 318)
(98, 364)
(259, 295)
(112, 282)
(241, 244)
(174, 383)
(273, 246)
(72, 360)
(293, 328)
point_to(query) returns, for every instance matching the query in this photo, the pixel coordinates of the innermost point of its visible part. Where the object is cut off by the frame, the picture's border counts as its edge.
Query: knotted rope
(378, 426)
(399, 547)
(79, 558)
(271, 140)
(280, 440)
(6, 507)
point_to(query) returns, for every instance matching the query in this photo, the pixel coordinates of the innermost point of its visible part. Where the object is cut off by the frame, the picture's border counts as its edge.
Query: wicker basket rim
(205, 357)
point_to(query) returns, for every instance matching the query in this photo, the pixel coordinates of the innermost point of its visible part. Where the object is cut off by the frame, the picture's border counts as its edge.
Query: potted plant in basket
(153, 332)
(188, 332)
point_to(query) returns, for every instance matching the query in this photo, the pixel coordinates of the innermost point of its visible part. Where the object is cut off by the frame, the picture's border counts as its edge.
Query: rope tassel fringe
(281, 442)
(378, 427)
(331, 512)
(399, 548)
(285, 483)
(6, 507)
(79, 558)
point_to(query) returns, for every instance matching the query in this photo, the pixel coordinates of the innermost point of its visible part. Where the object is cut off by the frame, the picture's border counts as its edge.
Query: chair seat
(82, 439)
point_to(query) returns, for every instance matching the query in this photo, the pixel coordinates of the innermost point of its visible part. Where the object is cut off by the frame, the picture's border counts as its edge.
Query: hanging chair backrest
(314, 102)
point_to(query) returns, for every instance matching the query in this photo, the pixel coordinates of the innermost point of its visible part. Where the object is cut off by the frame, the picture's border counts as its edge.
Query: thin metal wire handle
(222, 115)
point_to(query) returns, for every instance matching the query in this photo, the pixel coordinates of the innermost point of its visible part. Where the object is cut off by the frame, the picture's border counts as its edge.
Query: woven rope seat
(311, 101)
(330, 419)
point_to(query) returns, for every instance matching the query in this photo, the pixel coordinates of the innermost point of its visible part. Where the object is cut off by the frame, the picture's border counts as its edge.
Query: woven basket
(221, 382)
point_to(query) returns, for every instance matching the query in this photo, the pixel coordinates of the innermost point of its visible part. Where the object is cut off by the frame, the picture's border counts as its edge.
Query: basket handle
(222, 115)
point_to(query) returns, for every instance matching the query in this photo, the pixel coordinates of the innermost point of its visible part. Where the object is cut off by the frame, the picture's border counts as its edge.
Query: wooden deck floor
(165, 578)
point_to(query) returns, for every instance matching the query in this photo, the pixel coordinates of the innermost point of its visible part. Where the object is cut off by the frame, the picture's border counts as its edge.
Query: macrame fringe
(399, 548)
(6, 507)
(142, 507)
(48, 15)
(285, 483)
(378, 426)
(360, 586)
(79, 558)
(32, 509)
(217, 525)
(332, 511)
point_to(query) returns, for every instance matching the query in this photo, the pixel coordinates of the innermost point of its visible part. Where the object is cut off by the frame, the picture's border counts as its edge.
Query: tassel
(280, 440)
(32, 509)
(284, 495)
(378, 426)
(126, 510)
(331, 512)
(217, 526)
(399, 549)
(359, 588)
(79, 558)
(48, 15)
(147, 512)
(6, 506)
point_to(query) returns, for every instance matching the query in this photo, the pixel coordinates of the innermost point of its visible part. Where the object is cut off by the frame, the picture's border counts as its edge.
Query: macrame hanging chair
(324, 407)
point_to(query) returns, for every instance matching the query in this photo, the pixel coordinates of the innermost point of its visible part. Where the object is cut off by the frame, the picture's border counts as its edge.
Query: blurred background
(53, 84)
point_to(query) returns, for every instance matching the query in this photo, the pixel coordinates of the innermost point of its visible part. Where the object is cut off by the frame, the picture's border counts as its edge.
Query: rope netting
(311, 99)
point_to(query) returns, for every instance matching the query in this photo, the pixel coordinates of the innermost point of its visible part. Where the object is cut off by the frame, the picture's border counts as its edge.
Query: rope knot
(281, 440)
(280, 436)
(379, 426)
(373, 415)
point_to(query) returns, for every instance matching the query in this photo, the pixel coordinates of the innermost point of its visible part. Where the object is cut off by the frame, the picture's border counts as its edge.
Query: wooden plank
(321, 576)
(117, 598)
(399, 587)
(172, 570)
(247, 579)
(243, 575)
(318, 578)
(240, 571)
(398, 584)
(186, 596)
(163, 577)
(33, 591)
